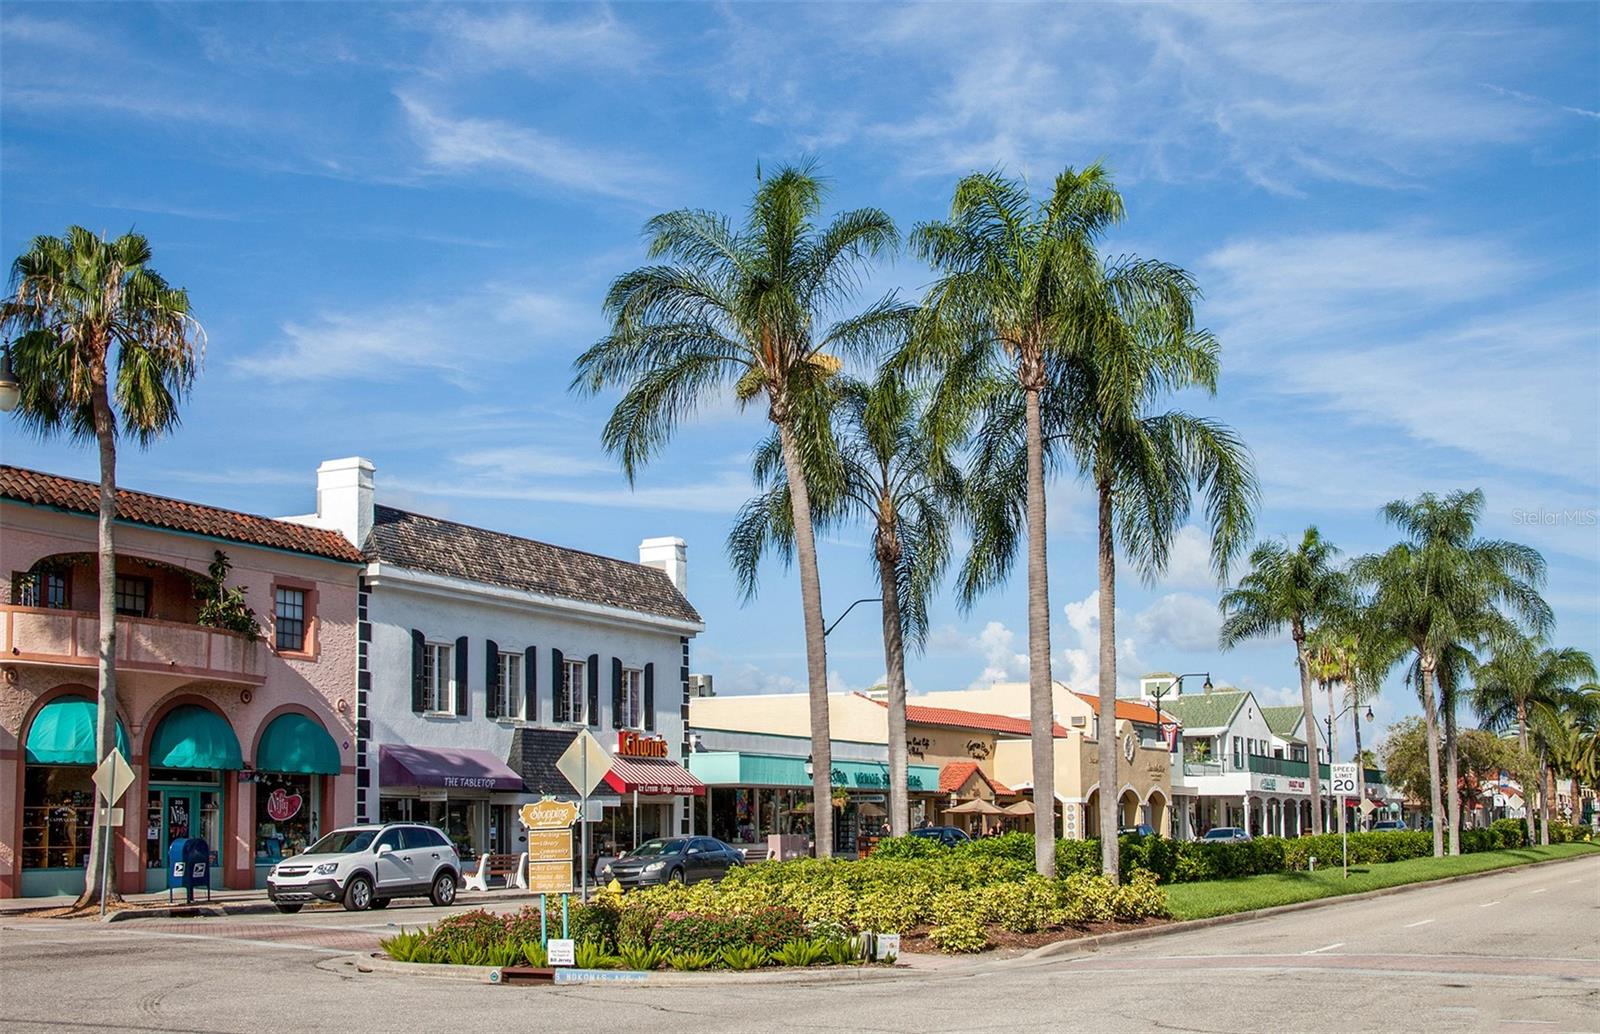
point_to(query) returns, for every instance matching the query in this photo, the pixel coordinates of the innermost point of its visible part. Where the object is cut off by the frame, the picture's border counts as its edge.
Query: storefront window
(286, 816)
(57, 816)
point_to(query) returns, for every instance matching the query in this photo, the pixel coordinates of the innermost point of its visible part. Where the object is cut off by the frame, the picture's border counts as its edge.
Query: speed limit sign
(1343, 778)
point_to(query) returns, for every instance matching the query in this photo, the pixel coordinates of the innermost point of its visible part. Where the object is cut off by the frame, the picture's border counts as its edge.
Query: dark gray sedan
(673, 860)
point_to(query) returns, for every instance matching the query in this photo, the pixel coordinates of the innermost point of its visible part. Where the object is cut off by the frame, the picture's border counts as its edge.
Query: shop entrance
(179, 811)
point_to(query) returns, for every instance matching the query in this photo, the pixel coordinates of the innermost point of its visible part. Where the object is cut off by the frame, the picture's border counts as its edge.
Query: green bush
(597, 921)
(959, 919)
(744, 956)
(402, 946)
(690, 961)
(534, 954)
(1086, 897)
(802, 951)
(902, 848)
(843, 951)
(641, 957)
(685, 932)
(593, 955)
(1509, 833)
(1140, 898)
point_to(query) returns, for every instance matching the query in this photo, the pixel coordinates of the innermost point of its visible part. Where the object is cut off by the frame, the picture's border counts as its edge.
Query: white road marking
(1325, 947)
(1574, 881)
(1419, 922)
(1541, 890)
(1488, 904)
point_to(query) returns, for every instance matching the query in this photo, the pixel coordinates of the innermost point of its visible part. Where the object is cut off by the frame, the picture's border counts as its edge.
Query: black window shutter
(616, 692)
(461, 676)
(419, 645)
(594, 690)
(491, 679)
(650, 697)
(530, 684)
(558, 674)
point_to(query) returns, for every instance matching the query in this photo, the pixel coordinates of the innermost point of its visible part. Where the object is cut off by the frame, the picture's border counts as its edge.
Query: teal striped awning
(295, 743)
(738, 768)
(192, 737)
(63, 733)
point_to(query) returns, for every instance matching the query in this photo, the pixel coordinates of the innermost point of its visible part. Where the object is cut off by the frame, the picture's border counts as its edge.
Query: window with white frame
(632, 698)
(509, 701)
(438, 678)
(572, 690)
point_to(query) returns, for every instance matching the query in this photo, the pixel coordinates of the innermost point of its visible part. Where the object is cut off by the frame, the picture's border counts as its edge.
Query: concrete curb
(654, 978)
(1123, 936)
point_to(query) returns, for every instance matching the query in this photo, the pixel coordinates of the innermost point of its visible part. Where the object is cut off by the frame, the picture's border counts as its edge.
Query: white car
(367, 867)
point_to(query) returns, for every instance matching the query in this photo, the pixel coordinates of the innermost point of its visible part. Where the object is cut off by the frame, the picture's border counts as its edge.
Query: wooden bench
(513, 867)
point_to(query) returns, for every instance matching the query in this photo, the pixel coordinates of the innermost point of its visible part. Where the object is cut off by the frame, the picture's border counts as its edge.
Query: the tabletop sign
(640, 745)
(562, 952)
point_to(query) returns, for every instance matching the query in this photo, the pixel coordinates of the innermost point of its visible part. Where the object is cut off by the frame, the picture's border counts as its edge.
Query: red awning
(640, 775)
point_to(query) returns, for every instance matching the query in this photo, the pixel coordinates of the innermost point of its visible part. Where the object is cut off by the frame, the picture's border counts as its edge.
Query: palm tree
(1444, 587)
(1294, 588)
(1524, 674)
(98, 339)
(758, 311)
(1340, 656)
(889, 473)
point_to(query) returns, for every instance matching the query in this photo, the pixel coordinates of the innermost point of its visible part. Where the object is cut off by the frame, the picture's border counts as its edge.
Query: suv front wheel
(358, 894)
(444, 889)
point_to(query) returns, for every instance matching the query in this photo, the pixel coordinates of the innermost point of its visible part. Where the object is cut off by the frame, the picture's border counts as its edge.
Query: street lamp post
(1361, 769)
(847, 610)
(10, 390)
(1176, 688)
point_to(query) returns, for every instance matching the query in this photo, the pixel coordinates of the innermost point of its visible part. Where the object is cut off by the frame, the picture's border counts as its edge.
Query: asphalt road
(1517, 951)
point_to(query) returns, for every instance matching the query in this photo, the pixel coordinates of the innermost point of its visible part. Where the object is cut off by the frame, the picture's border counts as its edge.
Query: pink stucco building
(246, 742)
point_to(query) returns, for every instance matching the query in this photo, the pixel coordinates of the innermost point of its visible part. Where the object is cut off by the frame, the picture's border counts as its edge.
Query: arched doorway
(1091, 814)
(57, 794)
(191, 752)
(1128, 811)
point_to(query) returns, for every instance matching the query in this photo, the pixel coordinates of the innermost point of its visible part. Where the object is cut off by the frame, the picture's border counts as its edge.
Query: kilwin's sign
(638, 745)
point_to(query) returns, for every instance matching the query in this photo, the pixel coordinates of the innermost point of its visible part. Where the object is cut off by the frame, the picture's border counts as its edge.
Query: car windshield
(1225, 833)
(653, 848)
(343, 841)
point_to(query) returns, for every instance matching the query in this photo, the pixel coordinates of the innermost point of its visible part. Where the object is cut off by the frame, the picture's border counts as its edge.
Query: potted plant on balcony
(221, 605)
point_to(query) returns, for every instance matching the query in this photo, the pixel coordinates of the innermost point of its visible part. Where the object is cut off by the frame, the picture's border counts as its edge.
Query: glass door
(180, 812)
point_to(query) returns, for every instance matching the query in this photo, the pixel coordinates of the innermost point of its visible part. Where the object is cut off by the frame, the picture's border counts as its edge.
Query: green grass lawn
(1221, 897)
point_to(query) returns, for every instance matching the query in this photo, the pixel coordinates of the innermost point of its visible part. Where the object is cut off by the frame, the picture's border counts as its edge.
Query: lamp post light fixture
(847, 610)
(10, 390)
(810, 768)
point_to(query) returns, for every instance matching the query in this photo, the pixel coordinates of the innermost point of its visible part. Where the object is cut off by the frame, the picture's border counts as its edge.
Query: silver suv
(367, 867)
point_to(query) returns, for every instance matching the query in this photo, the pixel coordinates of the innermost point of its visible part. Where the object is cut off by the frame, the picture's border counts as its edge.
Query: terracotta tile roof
(422, 543)
(955, 718)
(954, 775)
(52, 490)
(1129, 710)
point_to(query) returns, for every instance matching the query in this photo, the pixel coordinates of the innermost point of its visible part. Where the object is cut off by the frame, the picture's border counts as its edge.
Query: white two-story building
(480, 657)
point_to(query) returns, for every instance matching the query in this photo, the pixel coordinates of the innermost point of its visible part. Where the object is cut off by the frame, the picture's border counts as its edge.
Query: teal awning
(295, 743)
(192, 737)
(63, 733)
(737, 768)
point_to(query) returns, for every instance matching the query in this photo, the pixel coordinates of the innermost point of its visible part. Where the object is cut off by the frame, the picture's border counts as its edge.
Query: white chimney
(344, 498)
(670, 555)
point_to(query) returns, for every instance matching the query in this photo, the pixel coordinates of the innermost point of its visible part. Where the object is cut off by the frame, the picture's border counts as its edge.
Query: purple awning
(455, 768)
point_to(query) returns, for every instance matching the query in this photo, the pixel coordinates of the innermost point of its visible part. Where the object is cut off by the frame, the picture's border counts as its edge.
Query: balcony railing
(36, 636)
(1263, 765)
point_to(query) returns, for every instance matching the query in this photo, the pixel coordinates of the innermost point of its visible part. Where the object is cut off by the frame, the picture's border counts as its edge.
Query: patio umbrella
(1019, 808)
(871, 810)
(975, 807)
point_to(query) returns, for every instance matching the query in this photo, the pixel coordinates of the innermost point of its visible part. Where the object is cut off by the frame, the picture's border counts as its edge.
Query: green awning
(63, 733)
(192, 737)
(737, 768)
(295, 743)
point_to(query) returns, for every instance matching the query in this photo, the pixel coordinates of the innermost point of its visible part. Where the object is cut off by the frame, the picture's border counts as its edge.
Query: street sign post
(584, 764)
(1343, 780)
(112, 777)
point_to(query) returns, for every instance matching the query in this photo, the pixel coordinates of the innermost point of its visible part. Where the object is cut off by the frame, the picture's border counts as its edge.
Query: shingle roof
(954, 718)
(40, 489)
(1204, 710)
(422, 543)
(1282, 720)
(1127, 710)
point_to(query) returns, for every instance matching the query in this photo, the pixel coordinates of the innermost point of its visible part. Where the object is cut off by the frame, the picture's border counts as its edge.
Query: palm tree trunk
(894, 658)
(1430, 715)
(1313, 766)
(1544, 798)
(1110, 799)
(1522, 741)
(1361, 770)
(1333, 749)
(1041, 711)
(1452, 771)
(105, 740)
(816, 647)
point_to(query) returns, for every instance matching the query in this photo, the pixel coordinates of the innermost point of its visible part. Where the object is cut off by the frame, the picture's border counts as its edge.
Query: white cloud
(748, 679)
(461, 144)
(1079, 666)
(524, 39)
(1181, 621)
(719, 494)
(1189, 561)
(515, 463)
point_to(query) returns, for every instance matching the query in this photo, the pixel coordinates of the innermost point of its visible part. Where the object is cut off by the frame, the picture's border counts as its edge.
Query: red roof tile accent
(954, 775)
(1129, 710)
(955, 718)
(40, 489)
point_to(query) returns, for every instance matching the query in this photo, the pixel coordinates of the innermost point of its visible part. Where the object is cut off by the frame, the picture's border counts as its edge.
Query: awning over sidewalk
(652, 776)
(450, 767)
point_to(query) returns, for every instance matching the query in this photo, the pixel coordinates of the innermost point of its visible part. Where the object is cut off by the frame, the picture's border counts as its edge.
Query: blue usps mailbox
(188, 866)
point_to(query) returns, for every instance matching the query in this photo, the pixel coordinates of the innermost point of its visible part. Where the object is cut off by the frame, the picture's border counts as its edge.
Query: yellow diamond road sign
(113, 776)
(584, 763)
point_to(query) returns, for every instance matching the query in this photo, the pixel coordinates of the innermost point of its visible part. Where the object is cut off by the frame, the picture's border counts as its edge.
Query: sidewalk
(230, 902)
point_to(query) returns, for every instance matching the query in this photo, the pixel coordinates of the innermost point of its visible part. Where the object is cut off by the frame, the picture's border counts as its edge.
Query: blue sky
(396, 224)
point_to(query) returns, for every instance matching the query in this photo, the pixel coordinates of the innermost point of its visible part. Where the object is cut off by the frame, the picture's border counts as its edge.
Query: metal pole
(1361, 770)
(544, 920)
(105, 855)
(636, 818)
(583, 841)
(564, 934)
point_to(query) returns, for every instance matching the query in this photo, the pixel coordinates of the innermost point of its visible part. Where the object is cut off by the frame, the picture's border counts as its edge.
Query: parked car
(1225, 835)
(1141, 830)
(673, 860)
(367, 867)
(949, 836)
(1390, 825)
